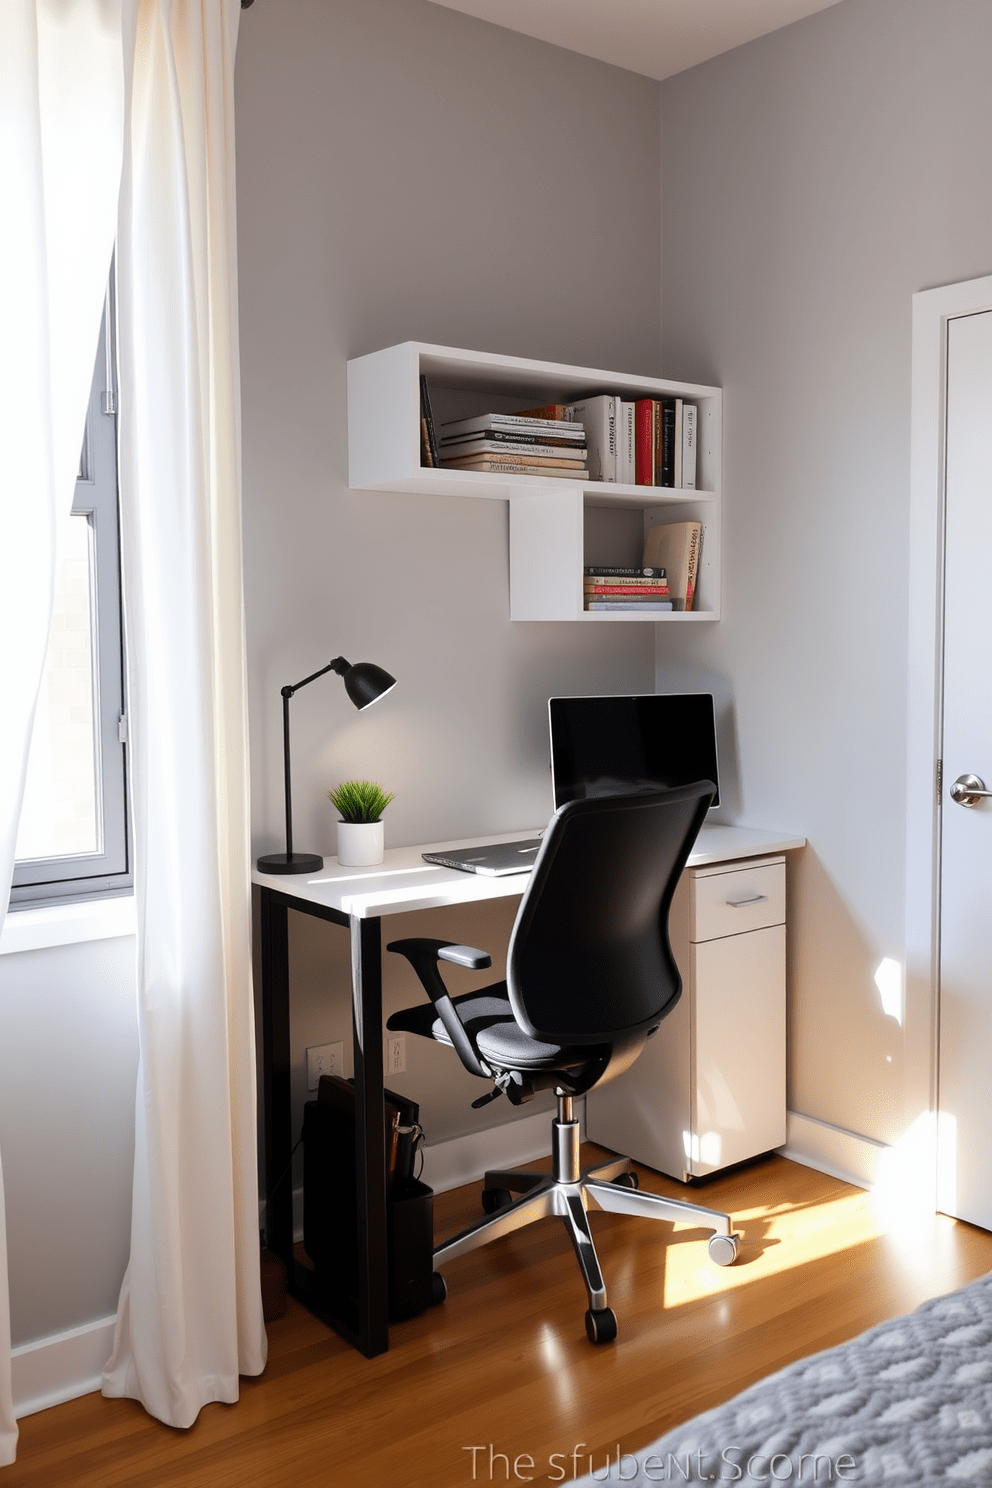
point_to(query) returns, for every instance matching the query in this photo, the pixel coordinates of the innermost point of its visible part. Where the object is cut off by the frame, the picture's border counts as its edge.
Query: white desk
(404, 881)
(357, 899)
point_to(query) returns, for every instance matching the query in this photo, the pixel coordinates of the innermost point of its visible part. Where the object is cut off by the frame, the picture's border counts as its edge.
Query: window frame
(109, 871)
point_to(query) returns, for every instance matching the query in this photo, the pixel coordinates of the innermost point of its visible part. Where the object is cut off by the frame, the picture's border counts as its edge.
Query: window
(72, 838)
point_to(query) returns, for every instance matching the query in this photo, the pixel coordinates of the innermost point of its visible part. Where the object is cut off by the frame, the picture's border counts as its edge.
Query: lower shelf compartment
(553, 535)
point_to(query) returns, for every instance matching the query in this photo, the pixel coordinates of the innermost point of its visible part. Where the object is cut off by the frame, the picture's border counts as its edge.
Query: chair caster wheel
(439, 1289)
(601, 1326)
(496, 1198)
(627, 1180)
(723, 1249)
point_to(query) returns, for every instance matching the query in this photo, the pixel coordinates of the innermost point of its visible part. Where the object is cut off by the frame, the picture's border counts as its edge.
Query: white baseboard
(62, 1367)
(831, 1149)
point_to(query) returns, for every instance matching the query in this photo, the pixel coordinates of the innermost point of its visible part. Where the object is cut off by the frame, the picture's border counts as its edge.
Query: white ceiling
(655, 37)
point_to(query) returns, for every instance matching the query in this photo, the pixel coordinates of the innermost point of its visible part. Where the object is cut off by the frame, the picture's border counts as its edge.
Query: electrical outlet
(396, 1054)
(324, 1059)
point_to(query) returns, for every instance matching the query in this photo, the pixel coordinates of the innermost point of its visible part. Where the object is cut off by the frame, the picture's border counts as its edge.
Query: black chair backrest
(589, 958)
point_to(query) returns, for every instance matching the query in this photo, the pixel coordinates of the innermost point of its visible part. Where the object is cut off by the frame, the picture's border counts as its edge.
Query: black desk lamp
(364, 682)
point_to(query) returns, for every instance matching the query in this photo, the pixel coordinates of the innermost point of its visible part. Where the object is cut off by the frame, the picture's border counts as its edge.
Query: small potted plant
(360, 836)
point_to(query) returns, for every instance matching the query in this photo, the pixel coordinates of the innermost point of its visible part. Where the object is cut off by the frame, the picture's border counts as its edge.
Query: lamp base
(290, 863)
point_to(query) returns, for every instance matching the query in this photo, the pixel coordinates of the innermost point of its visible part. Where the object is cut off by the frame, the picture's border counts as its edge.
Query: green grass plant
(359, 800)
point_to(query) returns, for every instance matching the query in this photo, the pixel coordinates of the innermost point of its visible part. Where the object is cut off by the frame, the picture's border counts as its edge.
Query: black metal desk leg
(370, 1141)
(275, 1077)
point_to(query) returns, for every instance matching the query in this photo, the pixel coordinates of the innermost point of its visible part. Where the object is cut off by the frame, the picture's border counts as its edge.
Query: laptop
(494, 859)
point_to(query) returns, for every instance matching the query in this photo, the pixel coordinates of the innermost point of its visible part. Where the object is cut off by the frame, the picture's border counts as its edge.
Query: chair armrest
(463, 955)
(423, 954)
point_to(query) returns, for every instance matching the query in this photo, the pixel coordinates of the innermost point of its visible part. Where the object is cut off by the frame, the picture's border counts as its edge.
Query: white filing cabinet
(709, 1088)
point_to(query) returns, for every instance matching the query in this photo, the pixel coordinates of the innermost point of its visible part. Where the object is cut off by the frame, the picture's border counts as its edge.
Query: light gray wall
(68, 1063)
(812, 181)
(407, 172)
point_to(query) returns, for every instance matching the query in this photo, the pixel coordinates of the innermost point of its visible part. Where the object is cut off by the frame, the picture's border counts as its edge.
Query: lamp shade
(364, 682)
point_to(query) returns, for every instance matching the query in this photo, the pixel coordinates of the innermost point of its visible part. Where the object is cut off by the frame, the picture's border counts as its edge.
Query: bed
(907, 1404)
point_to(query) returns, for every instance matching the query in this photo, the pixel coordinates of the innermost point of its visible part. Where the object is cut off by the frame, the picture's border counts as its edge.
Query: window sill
(67, 924)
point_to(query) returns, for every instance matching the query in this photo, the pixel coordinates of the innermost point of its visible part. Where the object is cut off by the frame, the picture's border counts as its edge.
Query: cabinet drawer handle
(743, 903)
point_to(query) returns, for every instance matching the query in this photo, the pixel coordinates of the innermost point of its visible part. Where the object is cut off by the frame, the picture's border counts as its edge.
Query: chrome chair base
(568, 1191)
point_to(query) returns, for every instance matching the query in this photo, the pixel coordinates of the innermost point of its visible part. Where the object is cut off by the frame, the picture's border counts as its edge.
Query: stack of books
(516, 444)
(665, 443)
(650, 442)
(647, 442)
(643, 589)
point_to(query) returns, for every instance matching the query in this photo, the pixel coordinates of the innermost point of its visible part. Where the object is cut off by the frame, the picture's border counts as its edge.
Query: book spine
(428, 417)
(598, 416)
(625, 459)
(576, 452)
(502, 467)
(692, 566)
(512, 436)
(505, 420)
(658, 431)
(664, 469)
(612, 440)
(625, 582)
(689, 432)
(652, 591)
(628, 585)
(541, 461)
(644, 453)
(677, 445)
(610, 571)
(674, 543)
(558, 412)
(502, 421)
(607, 438)
(630, 605)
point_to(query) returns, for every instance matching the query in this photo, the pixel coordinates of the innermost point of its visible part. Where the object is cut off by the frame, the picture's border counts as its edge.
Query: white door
(965, 1057)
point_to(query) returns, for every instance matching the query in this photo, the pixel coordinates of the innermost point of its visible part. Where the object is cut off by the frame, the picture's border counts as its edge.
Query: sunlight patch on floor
(772, 1241)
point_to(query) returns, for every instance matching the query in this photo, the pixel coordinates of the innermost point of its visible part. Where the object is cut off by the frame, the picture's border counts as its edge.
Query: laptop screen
(602, 746)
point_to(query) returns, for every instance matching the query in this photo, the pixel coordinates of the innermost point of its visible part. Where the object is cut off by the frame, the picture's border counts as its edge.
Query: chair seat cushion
(489, 1021)
(477, 1011)
(506, 1045)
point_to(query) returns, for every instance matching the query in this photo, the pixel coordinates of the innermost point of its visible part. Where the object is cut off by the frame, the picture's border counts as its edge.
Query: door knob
(968, 790)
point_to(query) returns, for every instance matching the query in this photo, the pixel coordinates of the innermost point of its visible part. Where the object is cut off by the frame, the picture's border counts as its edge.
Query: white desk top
(718, 844)
(403, 881)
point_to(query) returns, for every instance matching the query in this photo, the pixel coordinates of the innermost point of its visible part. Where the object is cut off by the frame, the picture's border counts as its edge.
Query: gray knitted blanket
(907, 1404)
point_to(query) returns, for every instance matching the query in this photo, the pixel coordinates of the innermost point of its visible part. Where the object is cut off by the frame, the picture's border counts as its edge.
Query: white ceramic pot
(360, 843)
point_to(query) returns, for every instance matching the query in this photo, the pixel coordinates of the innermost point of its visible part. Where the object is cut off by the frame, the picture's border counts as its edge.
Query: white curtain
(189, 1320)
(190, 1310)
(61, 115)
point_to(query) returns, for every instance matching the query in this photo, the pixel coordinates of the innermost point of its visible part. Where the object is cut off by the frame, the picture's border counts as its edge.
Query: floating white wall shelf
(555, 526)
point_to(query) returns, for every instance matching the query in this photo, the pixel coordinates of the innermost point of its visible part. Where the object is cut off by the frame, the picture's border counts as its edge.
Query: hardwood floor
(504, 1363)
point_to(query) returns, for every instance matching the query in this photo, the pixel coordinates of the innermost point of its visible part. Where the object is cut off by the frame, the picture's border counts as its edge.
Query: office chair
(589, 977)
